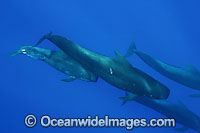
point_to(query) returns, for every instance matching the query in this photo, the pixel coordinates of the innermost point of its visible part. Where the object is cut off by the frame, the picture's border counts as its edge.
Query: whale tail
(195, 95)
(43, 38)
(131, 50)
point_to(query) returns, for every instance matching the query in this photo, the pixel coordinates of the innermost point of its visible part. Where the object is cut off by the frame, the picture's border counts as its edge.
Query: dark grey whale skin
(179, 112)
(60, 61)
(116, 71)
(188, 76)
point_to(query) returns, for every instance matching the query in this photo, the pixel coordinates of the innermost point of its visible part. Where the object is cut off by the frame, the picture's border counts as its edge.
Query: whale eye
(23, 51)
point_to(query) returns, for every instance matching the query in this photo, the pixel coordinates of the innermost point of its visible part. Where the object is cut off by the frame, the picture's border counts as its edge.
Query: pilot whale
(179, 112)
(116, 71)
(60, 61)
(188, 76)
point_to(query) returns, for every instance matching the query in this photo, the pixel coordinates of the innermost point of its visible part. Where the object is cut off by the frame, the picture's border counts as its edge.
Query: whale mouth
(20, 51)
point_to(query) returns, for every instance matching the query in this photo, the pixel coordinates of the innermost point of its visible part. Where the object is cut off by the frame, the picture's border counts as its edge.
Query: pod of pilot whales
(80, 63)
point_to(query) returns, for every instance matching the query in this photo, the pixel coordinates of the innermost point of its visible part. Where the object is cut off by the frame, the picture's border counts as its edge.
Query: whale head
(33, 52)
(157, 90)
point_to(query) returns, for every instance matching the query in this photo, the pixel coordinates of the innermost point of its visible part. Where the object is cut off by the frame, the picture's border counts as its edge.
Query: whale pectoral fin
(124, 99)
(70, 79)
(182, 129)
(128, 98)
(131, 49)
(195, 95)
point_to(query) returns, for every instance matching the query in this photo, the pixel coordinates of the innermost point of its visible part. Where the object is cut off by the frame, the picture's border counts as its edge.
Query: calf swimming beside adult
(60, 61)
(117, 71)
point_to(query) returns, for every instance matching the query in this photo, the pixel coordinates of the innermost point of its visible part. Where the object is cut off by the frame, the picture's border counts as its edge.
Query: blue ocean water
(167, 30)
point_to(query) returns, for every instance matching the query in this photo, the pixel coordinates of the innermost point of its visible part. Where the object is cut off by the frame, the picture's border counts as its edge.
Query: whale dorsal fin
(131, 50)
(192, 69)
(118, 55)
(120, 59)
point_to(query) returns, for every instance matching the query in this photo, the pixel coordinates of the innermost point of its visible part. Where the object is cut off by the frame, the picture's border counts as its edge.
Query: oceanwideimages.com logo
(130, 123)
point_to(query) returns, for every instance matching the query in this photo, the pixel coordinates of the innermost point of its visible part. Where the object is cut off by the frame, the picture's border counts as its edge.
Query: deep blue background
(168, 30)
